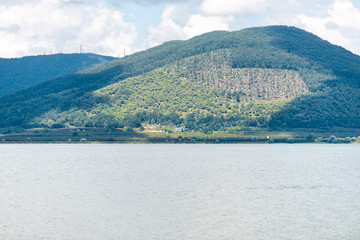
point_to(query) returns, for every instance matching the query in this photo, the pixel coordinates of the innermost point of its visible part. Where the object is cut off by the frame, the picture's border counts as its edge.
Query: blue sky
(108, 27)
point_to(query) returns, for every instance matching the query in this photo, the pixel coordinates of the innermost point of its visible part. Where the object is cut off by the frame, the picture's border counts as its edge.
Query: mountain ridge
(19, 73)
(318, 70)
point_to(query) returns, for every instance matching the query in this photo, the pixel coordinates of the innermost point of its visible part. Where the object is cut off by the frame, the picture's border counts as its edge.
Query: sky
(118, 27)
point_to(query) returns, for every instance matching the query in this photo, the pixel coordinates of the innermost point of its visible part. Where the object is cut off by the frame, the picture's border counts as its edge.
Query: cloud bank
(50, 26)
(30, 27)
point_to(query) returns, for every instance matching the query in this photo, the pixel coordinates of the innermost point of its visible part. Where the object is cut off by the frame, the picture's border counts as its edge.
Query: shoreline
(118, 136)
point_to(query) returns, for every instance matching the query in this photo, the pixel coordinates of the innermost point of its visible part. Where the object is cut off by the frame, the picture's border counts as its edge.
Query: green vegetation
(213, 69)
(245, 135)
(337, 106)
(162, 97)
(277, 78)
(19, 73)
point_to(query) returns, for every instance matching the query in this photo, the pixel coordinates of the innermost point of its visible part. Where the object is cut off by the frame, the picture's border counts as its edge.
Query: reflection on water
(180, 191)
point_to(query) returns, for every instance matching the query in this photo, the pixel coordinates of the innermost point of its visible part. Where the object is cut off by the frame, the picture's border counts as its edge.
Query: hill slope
(277, 76)
(18, 73)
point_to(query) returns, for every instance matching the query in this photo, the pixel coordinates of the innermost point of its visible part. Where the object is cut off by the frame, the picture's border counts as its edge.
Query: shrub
(57, 125)
(332, 139)
(290, 140)
(310, 138)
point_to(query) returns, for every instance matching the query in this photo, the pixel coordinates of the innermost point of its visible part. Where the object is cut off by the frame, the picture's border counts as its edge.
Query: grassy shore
(99, 135)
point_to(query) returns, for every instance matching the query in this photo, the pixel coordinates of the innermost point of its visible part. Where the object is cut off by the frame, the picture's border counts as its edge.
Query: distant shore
(99, 135)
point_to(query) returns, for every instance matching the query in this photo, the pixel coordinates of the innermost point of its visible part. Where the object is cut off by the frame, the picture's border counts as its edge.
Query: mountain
(19, 73)
(275, 77)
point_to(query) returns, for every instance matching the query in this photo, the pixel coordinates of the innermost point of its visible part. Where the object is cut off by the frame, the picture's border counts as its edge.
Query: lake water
(278, 191)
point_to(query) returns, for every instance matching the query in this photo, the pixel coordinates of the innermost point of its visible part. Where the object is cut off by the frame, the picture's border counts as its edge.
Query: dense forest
(273, 77)
(19, 73)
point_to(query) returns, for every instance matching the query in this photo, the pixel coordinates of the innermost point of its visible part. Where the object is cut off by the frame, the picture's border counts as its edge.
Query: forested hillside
(19, 73)
(274, 77)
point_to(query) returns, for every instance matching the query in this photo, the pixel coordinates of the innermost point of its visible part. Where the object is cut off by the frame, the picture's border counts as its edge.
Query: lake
(248, 191)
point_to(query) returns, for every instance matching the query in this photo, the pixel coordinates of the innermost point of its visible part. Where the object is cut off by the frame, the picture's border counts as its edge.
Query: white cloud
(199, 24)
(49, 26)
(231, 7)
(344, 14)
(37, 26)
(177, 23)
(340, 25)
(320, 27)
